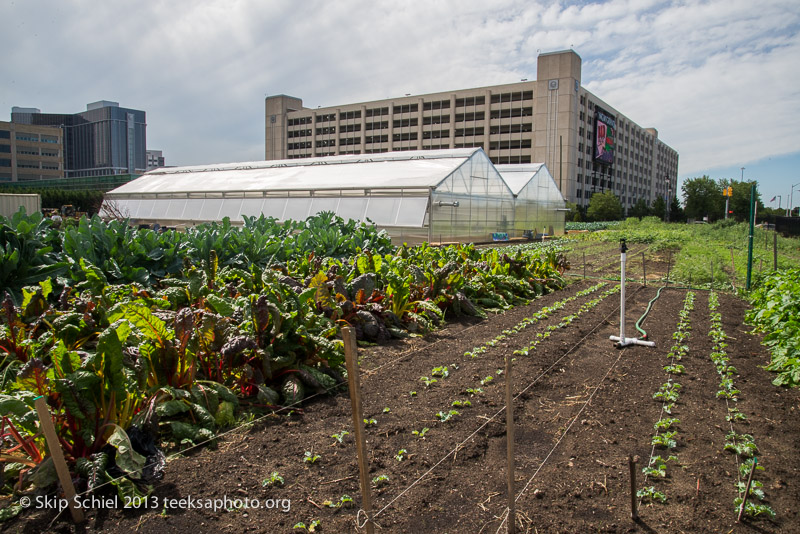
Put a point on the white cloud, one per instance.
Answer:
(717, 78)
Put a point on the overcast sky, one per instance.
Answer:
(719, 79)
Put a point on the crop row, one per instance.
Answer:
(743, 445)
(186, 353)
(668, 394)
(539, 315)
(775, 308)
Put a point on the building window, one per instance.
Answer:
(5, 134)
(27, 137)
(511, 128)
(405, 123)
(345, 115)
(471, 101)
(503, 145)
(405, 108)
(5, 162)
(406, 136)
(377, 112)
(440, 104)
(474, 116)
(6, 149)
(516, 112)
(436, 134)
(437, 119)
(462, 132)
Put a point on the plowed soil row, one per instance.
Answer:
(583, 407)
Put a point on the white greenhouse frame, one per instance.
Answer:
(431, 195)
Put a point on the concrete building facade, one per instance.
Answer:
(588, 145)
(29, 153)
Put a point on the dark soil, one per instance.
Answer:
(582, 408)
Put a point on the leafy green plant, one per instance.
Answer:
(665, 439)
(664, 424)
(420, 433)
(274, 479)
(474, 391)
(340, 436)
(441, 372)
(312, 527)
(650, 493)
(487, 380)
(310, 457)
(370, 422)
(461, 404)
(380, 480)
(399, 456)
(741, 444)
(428, 381)
(446, 416)
(753, 509)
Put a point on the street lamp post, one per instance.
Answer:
(791, 200)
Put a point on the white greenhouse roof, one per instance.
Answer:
(392, 170)
(518, 176)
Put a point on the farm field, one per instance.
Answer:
(582, 408)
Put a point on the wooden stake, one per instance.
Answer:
(747, 489)
(53, 445)
(775, 251)
(632, 464)
(733, 271)
(584, 265)
(644, 271)
(512, 516)
(354, 383)
(669, 264)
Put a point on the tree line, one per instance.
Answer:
(703, 199)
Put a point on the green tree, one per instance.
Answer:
(604, 207)
(659, 207)
(703, 198)
(740, 201)
(676, 213)
(640, 209)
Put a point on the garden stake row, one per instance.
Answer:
(743, 445)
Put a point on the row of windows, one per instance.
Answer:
(440, 119)
(299, 133)
(514, 143)
(6, 149)
(512, 97)
(350, 128)
(377, 112)
(377, 125)
(470, 101)
(511, 128)
(436, 134)
(299, 120)
(473, 116)
(440, 104)
(504, 160)
(507, 113)
(5, 134)
(405, 123)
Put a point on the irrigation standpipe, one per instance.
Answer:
(621, 340)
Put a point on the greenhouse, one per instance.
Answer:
(433, 195)
(539, 206)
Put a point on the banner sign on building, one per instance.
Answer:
(605, 130)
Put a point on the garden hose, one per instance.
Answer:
(646, 311)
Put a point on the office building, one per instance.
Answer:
(30, 153)
(103, 140)
(155, 159)
(588, 145)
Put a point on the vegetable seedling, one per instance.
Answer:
(380, 480)
(487, 380)
(444, 417)
(428, 381)
(310, 457)
(370, 422)
(652, 494)
(273, 480)
(461, 404)
(441, 372)
(340, 436)
(420, 433)
(399, 456)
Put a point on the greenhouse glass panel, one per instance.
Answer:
(231, 208)
(352, 208)
(297, 209)
(145, 208)
(412, 211)
(252, 206)
(320, 204)
(274, 207)
(383, 210)
(192, 210)
(210, 209)
(175, 209)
